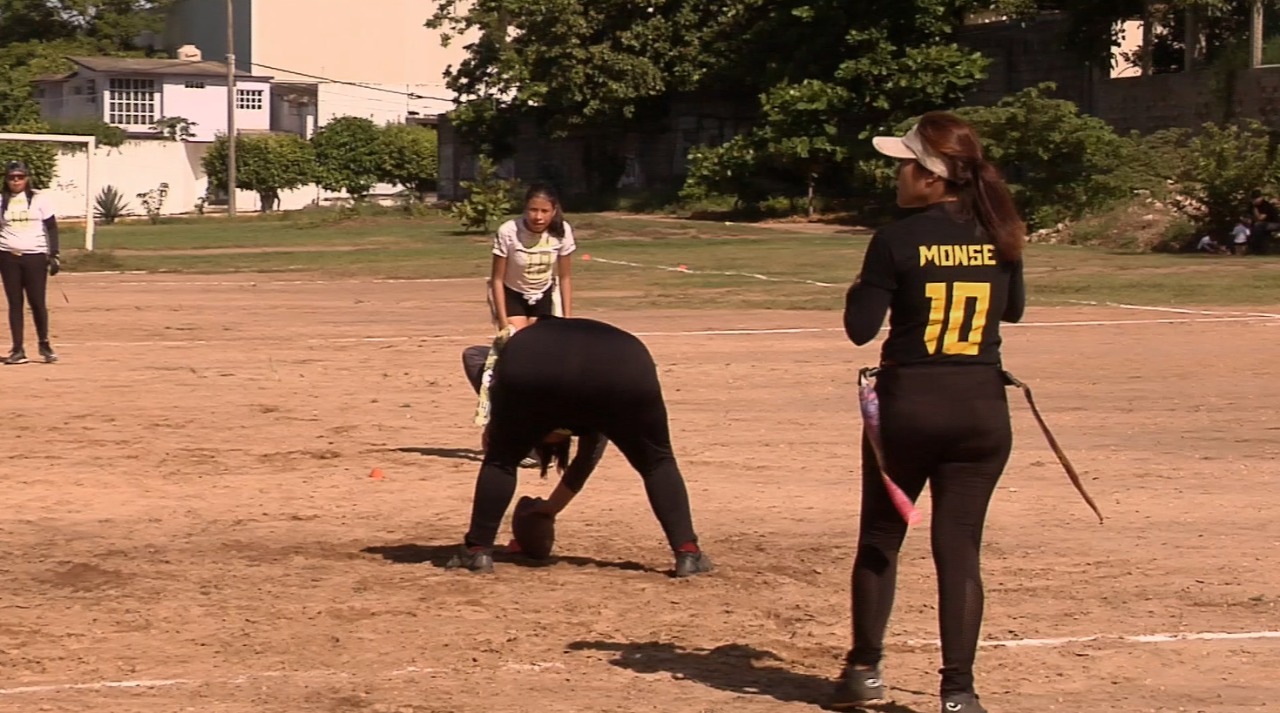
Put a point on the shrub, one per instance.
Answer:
(110, 205)
(1223, 165)
(490, 198)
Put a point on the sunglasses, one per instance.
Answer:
(17, 177)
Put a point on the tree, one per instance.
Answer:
(347, 155)
(608, 67)
(889, 61)
(801, 128)
(265, 163)
(37, 35)
(409, 157)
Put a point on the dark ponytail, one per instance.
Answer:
(991, 203)
(544, 190)
(977, 184)
(557, 452)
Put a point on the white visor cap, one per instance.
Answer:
(911, 148)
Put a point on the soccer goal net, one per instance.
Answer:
(61, 164)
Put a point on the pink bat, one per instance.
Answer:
(870, 404)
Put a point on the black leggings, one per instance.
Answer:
(947, 426)
(582, 375)
(29, 274)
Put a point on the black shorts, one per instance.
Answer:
(518, 306)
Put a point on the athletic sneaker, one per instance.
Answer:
(17, 356)
(477, 559)
(858, 687)
(46, 351)
(691, 563)
(961, 703)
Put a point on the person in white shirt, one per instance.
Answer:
(1240, 235)
(28, 256)
(532, 263)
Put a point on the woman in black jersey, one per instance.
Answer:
(593, 380)
(947, 276)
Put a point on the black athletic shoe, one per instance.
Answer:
(961, 703)
(17, 356)
(856, 688)
(477, 559)
(691, 563)
(46, 352)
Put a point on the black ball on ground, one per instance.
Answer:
(535, 532)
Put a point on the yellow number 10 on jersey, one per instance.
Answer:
(951, 305)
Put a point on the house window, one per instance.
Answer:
(195, 85)
(250, 99)
(132, 102)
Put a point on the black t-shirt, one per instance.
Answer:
(1267, 210)
(943, 286)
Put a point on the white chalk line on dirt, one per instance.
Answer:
(242, 678)
(536, 667)
(732, 273)
(1137, 639)
(480, 339)
(1176, 310)
(266, 282)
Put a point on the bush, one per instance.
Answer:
(266, 164)
(41, 158)
(490, 198)
(1060, 164)
(409, 157)
(348, 156)
(110, 205)
(1223, 165)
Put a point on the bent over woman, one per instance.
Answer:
(594, 380)
(947, 276)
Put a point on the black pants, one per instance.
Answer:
(582, 375)
(26, 274)
(947, 426)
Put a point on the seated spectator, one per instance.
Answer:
(1208, 245)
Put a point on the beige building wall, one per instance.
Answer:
(335, 44)
(377, 41)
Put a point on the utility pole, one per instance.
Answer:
(231, 113)
(1255, 34)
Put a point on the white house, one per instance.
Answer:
(329, 58)
(135, 93)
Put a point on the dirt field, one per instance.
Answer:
(190, 523)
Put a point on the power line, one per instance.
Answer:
(411, 95)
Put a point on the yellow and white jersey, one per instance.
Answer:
(531, 257)
(22, 225)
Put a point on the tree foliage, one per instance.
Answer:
(41, 158)
(37, 35)
(267, 164)
(409, 157)
(347, 155)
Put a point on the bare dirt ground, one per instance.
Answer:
(190, 524)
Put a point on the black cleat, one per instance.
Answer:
(856, 688)
(961, 703)
(17, 356)
(47, 353)
(479, 560)
(691, 563)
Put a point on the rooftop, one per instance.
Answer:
(147, 65)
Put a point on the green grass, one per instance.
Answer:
(388, 246)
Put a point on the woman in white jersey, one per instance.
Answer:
(531, 261)
(28, 256)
